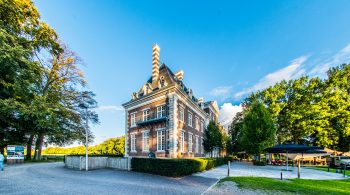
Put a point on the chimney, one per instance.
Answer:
(200, 100)
(179, 75)
(190, 93)
(155, 63)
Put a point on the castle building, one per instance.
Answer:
(165, 118)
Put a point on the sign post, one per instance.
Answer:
(228, 168)
(15, 154)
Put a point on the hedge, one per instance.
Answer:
(97, 155)
(175, 167)
(259, 163)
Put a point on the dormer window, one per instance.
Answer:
(162, 82)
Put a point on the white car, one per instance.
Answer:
(342, 160)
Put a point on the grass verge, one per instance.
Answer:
(333, 170)
(294, 186)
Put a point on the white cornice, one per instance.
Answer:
(161, 94)
(149, 98)
(189, 102)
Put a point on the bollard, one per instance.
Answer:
(329, 164)
(298, 169)
(344, 169)
(228, 168)
(281, 175)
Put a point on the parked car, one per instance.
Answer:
(340, 161)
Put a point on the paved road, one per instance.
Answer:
(53, 178)
(246, 169)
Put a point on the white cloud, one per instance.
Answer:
(111, 108)
(222, 91)
(342, 56)
(227, 112)
(292, 71)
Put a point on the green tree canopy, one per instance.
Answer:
(41, 85)
(311, 110)
(258, 129)
(213, 137)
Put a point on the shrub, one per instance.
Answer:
(175, 167)
(233, 158)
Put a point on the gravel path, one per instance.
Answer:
(53, 178)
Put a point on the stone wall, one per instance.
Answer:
(78, 162)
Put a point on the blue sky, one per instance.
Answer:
(227, 49)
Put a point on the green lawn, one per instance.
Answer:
(294, 186)
(322, 168)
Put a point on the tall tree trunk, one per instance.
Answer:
(2, 149)
(38, 146)
(29, 147)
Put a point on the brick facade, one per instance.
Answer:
(158, 118)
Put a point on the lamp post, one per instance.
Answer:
(86, 142)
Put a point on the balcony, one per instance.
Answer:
(152, 118)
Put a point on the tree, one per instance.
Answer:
(111, 146)
(258, 129)
(21, 34)
(235, 130)
(213, 138)
(337, 100)
(64, 109)
(311, 110)
(39, 97)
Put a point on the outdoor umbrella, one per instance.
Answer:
(292, 148)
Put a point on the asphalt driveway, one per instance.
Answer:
(53, 178)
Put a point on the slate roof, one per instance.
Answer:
(169, 75)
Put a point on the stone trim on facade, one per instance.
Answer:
(166, 90)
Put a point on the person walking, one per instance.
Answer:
(2, 158)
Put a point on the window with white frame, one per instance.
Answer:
(190, 119)
(133, 119)
(182, 114)
(197, 144)
(182, 141)
(133, 142)
(146, 115)
(161, 111)
(190, 142)
(145, 141)
(197, 123)
(160, 140)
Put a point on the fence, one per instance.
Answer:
(78, 162)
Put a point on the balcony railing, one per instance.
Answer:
(152, 118)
